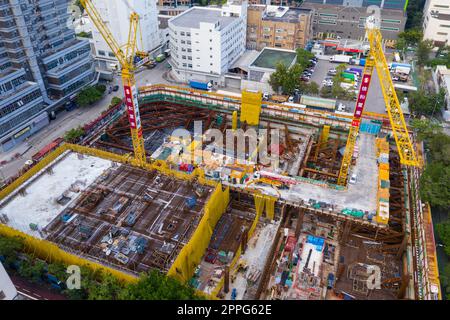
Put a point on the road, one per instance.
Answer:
(35, 291)
(67, 120)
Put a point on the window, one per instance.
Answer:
(111, 54)
(444, 25)
(101, 53)
(182, 33)
(389, 29)
(391, 21)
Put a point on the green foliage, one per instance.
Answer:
(435, 184)
(311, 88)
(423, 103)
(414, 12)
(115, 101)
(303, 57)
(443, 229)
(73, 134)
(423, 52)
(411, 37)
(10, 248)
(32, 269)
(83, 34)
(288, 79)
(108, 288)
(445, 281)
(90, 95)
(156, 286)
(425, 128)
(96, 285)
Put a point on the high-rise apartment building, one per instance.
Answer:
(116, 16)
(41, 63)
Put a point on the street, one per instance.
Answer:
(35, 291)
(67, 120)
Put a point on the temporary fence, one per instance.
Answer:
(191, 254)
(261, 201)
(50, 252)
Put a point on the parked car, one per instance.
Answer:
(115, 88)
(332, 72)
(353, 178)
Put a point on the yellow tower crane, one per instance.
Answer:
(125, 55)
(376, 59)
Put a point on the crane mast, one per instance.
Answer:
(376, 60)
(125, 55)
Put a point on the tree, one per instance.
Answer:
(109, 288)
(443, 229)
(423, 52)
(411, 37)
(10, 248)
(425, 128)
(90, 95)
(423, 103)
(74, 134)
(32, 269)
(439, 145)
(157, 286)
(115, 101)
(303, 57)
(286, 79)
(312, 88)
(414, 12)
(435, 184)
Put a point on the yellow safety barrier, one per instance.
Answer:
(50, 252)
(270, 208)
(260, 202)
(251, 107)
(234, 121)
(191, 254)
(30, 173)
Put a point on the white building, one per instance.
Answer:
(116, 15)
(441, 77)
(205, 42)
(436, 23)
(7, 289)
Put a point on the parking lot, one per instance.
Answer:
(375, 101)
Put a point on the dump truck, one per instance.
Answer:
(340, 58)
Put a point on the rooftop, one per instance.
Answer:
(285, 14)
(270, 57)
(192, 18)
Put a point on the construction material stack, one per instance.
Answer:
(383, 181)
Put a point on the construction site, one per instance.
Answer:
(334, 213)
(289, 232)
